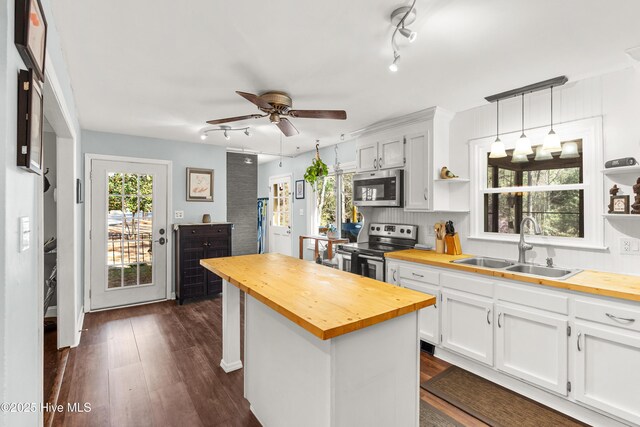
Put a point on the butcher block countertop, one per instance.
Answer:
(324, 301)
(588, 281)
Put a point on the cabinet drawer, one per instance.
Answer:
(542, 299)
(420, 274)
(466, 283)
(204, 230)
(611, 314)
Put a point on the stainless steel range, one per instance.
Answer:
(367, 259)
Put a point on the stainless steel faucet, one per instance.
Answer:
(523, 246)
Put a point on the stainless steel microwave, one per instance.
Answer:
(381, 188)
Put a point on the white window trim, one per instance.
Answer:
(590, 132)
(312, 227)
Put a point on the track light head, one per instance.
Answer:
(394, 65)
(203, 136)
(226, 135)
(411, 35)
(246, 132)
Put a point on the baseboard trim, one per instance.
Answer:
(230, 367)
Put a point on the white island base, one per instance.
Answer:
(369, 377)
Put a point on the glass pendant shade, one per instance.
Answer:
(552, 142)
(542, 154)
(569, 150)
(497, 150)
(519, 158)
(523, 146)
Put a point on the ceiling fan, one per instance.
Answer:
(276, 105)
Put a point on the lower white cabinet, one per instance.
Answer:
(467, 325)
(428, 317)
(607, 371)
(532, 345)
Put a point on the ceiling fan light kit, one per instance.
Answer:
(277, 106)
(400, 19)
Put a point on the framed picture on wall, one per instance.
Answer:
(300, 189)
(31, 35)
(30, 155)
(199, 185)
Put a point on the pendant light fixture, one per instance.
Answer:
(519, 158)
(523, 145)
(497, 146)
(570, 150)
(542, 154)
(552, 140)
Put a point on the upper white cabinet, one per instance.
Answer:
(374, 154)
(467, 325)
(532, 345)
(419, 143)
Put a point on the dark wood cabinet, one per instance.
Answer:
(193, 243)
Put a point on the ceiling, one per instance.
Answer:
(161, 68)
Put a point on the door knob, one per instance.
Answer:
(161, 231)
(161, 240)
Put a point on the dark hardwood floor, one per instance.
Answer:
(158, 365)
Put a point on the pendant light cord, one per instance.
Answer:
(552, 108)
(498, 119)
(523, 114)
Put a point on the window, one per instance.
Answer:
(332, 206)
(564, 195)
(549, 190)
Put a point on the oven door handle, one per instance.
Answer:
(371, 258)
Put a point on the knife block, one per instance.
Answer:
(452, 242)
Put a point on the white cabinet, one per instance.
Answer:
(428, 317)
(367, 157)
(532, 345)
(418, 173)
(391, 153)
(392, 273)
(372, 154)
(467, 325)
(607, 371)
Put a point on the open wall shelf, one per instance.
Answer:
(622, 170)
(621, 216)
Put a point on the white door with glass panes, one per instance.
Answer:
(280, 214)
(128, 233)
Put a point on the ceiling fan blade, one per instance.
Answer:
(287, 127)
(319, 114)
(235, 119)
(256, 100)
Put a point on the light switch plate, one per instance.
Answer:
(179, 215)
(301, 212)
(25, 233)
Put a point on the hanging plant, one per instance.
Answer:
(317, 171)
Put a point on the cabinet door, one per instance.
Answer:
(367, 156)
(467, 325)
(428, 317)
(532, 345)
(391, 153)
(607, 373)
(417, 181)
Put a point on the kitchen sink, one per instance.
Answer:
(485, 262)
(516, 267)
(538, 270)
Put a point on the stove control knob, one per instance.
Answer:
(377, 228)
(402, 230)
(408, 231)
(373, 228)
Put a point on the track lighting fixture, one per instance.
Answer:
(393, 67)
(400, 18)
(226, 132)
(411, 35)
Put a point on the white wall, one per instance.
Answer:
(20, 195)
(615, 97)
(297, 166)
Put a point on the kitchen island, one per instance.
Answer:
(322, 347)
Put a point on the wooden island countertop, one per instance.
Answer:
(324, 301)
(613, 285)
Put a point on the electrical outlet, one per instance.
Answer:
(625, 246)
(629, 246)
(179, 215)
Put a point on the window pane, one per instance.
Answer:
(351, 218)
(115, 183)
(327, 202)
(557, 212)
(146, 185)
(130, 184)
